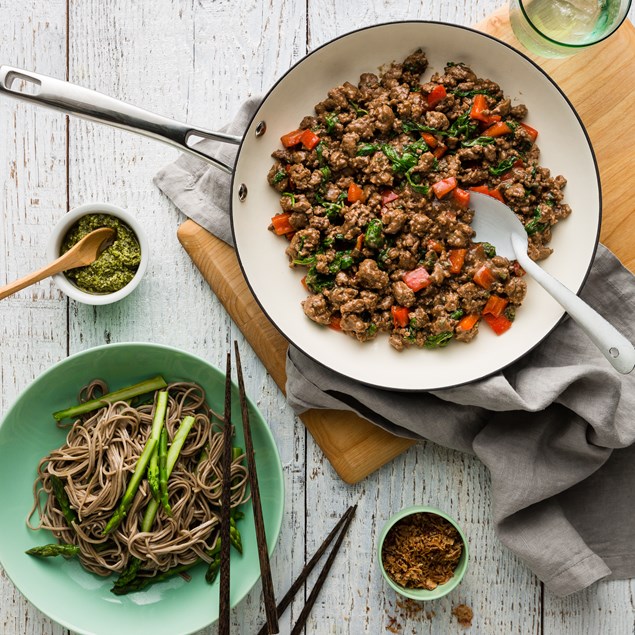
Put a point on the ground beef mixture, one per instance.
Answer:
(421, 551)
(375, 190)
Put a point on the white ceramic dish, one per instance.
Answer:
(55, 244)
(565, 149)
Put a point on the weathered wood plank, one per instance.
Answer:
(33, 174)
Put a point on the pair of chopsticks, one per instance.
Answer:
(261, 538)
(341, 527)
(272, 611)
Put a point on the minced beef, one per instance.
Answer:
(375, 200)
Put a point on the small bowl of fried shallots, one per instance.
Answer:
(423, 553)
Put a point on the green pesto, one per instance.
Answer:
(116, 265)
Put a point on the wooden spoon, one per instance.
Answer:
(81, 254)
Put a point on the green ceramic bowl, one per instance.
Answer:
(442, 589)
(77, 599)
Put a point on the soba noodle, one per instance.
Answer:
(98, 458)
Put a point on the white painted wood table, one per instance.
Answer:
(196, 60)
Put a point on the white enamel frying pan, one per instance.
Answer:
(565, 149)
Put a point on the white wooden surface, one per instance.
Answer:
(196, 60)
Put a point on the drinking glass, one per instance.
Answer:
(559, 28)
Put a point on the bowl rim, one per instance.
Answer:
(59, 232)
(442, 589)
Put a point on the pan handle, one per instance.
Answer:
(89, 104)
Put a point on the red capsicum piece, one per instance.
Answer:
(430, 139)
(532, 132)
(440, 150)
(335, 323)
(291, 138)
(309, 139)
(479, 106)
(484, 277)
(417, 279)
(468, 322)
(498, 324)
(436, 246)
(355, 193)
(400, 315)
(457, 259)
(495, 305)
(436, 95)
(387, 196)
(483, 189)
(444, 186)
(461, 197)
(498, 129)
(281, 224)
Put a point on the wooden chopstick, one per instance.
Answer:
(304, 614)
(308, 567)
(261, 538)
(224, 599)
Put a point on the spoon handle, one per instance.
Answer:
(48, 270)
(613, 345)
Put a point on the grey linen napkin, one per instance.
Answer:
(556, 429)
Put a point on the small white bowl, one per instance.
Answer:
(55, 245)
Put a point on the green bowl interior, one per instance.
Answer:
(424, 594)
(60, 588)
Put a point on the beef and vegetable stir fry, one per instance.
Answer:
(375, 190)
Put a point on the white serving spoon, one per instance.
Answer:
(496, 224)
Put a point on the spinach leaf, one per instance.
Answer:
(326, 173)
(438, 341)
(408, 159)
(365, 149)
(357, 109)
(331, 121)
(463, 125)
(534, 226)
(317, 282)
(479, 141)
(414, 180)
(489, 249)
(503, 166)
(342, 261)
(470, 93)
(332, 209)
(374, 236)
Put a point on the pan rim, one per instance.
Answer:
(584, 278)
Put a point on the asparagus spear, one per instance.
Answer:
(49, 551)
(163, 472)
(140, 583)
(133, 486)
(234, 536)
(123, 394)
(173, 455)
(129, 573)
(157, 426)
(128, 580)
(62, 500)
(214, 565)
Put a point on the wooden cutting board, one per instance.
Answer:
(600, 83)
